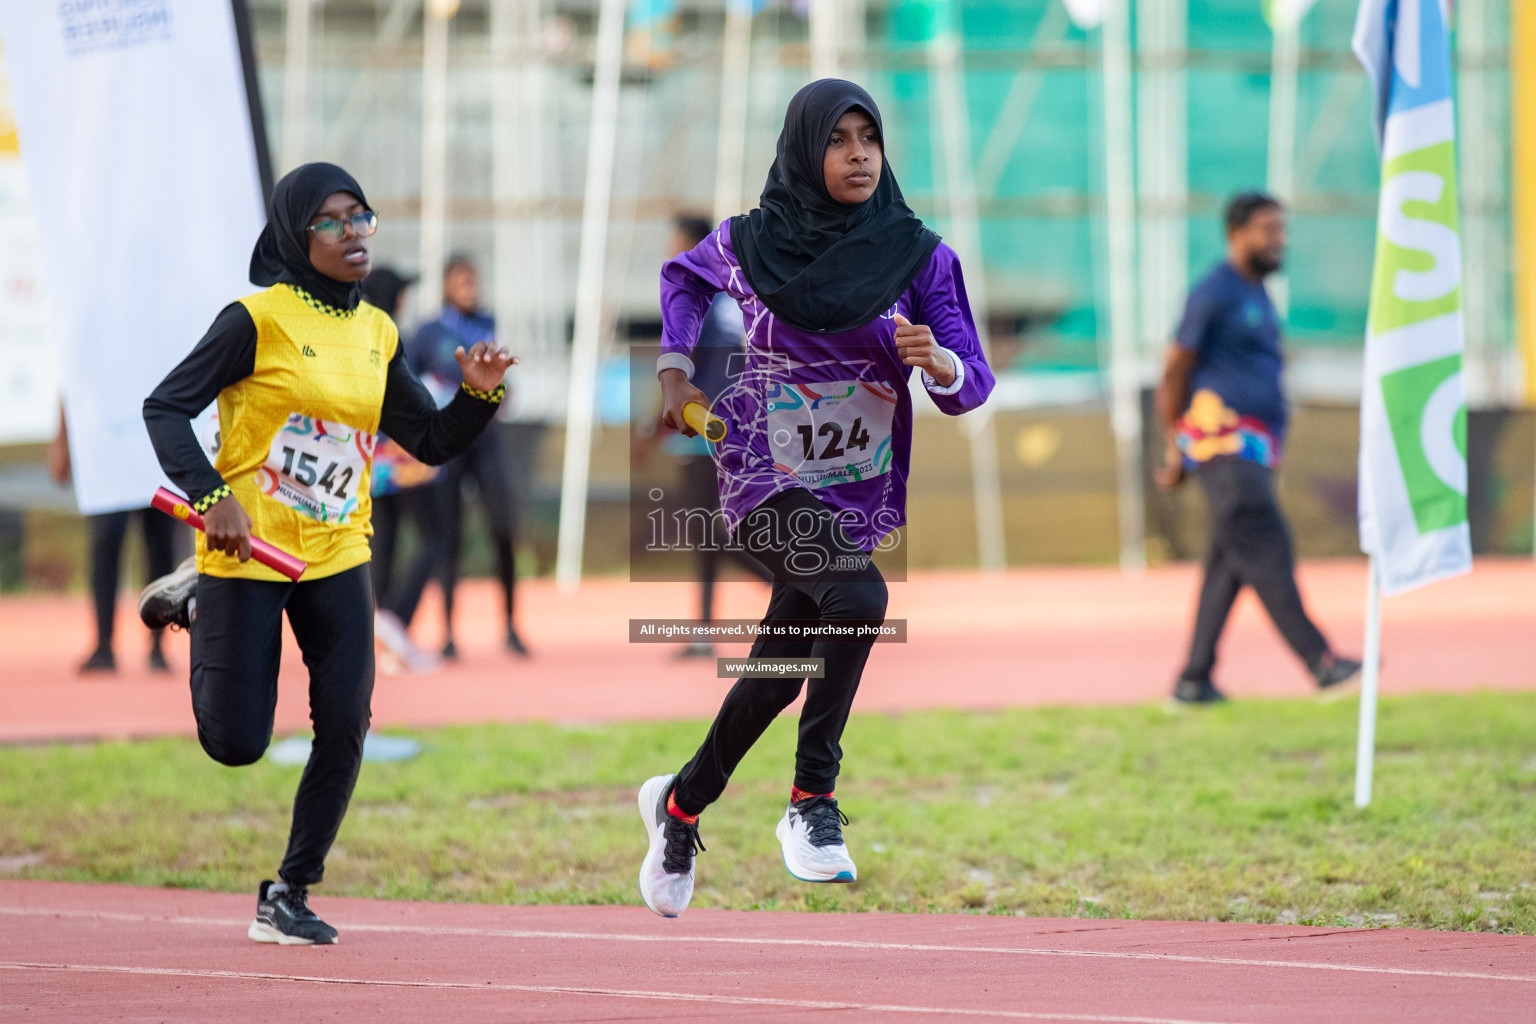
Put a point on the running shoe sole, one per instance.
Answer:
(266, 933)
(166, 593)
(802, 873)
(650, 796)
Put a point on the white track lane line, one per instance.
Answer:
(614, 993)
(851, 944)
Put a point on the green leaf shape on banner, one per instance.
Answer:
(1406, 393)
(1389, 309)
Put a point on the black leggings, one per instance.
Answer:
(425, 507)
(805, 592)
(485, 463)
(236, 645)
(107, 534)
(1250, 545)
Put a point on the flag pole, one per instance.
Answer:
(1370, 672)
(1120, 214)
(825, 42)
(1162, 168)
(951, 116)
(735, 71)
(1281, 172)
(1413, 511)
(296, 83)
(602, 135)
(434, 151)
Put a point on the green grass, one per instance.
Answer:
(1240, 813)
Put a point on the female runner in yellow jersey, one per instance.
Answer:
(305, 375)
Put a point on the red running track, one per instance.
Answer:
(1027, 637)
(107, 953)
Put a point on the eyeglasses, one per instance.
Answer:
(333, 229)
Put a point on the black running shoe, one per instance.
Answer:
(1197, 691)
(284, 917)
(1336, 677)
(168, 600)
(157, 662)
(450, 650)
(515, 643)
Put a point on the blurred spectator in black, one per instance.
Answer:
(717, 361)
(165, 541)
(402, 488)
(463, 323)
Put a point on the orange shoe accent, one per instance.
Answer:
(796, 794)
(672, 809)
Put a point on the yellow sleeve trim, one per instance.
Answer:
(494, 397)
(211, 499)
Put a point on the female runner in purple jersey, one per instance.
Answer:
(843, 291)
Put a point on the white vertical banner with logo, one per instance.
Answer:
(1413, 414)
(29, 379)
(135, 129)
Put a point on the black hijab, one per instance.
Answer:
(282, 249)
(819, 264)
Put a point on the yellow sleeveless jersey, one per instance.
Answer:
(296, 437)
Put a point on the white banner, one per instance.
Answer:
(135, 130)
(29, 379)
(1413, 413)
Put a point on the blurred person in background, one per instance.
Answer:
(403, 488)
(463, 323)
(164, 541)
(716, 361)
(1221, 401)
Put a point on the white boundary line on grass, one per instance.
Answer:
(615, 993)
(850, 944)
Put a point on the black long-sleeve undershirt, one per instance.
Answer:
(227, 355)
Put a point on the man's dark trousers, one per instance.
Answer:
(1250, 544)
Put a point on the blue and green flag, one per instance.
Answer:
(1413, 414)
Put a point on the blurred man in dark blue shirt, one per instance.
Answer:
(1223, 406)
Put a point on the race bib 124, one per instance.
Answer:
(831, 432)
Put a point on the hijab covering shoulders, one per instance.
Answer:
(282, 250)
(816, 263)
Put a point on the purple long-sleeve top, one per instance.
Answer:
(828, 412)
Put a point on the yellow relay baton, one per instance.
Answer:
(705, 422)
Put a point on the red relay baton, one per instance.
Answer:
(174, 505)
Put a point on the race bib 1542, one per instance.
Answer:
(831, 432)
(315, 467)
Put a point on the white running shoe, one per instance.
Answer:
(392, 635)
(666, 874)
(811, 835)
